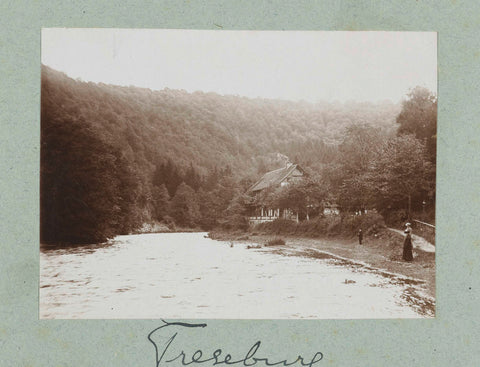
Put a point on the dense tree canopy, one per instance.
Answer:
(356, 154)
(113, 158)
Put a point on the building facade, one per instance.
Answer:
(272, 180)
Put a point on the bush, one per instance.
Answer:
(170, 223)
(242, 238)
(333, 225)
(396, 218)
(279, 226)
(369, 223)
(236, 222)
(275, 242)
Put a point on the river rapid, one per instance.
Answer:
(186, 275)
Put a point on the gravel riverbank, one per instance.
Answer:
(383, 253)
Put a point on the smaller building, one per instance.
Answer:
(330, 209)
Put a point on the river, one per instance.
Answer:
(185, 275)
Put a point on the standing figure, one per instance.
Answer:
(360, 236)
(407, 244)
(375, 230)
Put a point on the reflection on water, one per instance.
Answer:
(184, 275)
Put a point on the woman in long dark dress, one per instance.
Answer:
(407, 244)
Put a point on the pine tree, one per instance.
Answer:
(184, 207)
(192, 178)
(161, 202)
(173, 177)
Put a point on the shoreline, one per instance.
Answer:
(110, 241)
(382, 255)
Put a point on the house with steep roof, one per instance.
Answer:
(281, 177)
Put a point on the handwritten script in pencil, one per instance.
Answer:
(169, 352)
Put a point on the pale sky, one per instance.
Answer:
(292, 65)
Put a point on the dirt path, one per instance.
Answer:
(418, 242)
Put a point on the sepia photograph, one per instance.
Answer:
(196, 174)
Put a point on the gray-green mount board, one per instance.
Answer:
(451, 338)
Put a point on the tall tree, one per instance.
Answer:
(359, 147)
(209, 212)
(184, 207)
(173, 177)
(160, 202)
(159, 175)
(402, 170)
(192, 178)
(419, 117)
(235, 214)
(212, 179)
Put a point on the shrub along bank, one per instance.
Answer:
(338, 225)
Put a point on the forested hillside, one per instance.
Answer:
(115, 157)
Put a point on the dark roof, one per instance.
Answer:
(274, 178)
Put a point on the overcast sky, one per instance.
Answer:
(311, 66)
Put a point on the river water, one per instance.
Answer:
(185, 275)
